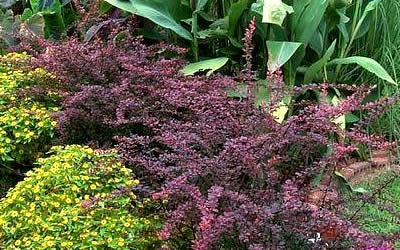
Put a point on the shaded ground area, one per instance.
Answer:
(6, 182)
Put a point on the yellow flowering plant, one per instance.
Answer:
(77, 198)
(26, 125)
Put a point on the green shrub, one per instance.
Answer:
(77, 199)
(26, 125)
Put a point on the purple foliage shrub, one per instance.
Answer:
(233, 176)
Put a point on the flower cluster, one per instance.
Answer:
(77, 198)
(26, 125)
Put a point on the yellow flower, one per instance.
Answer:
(68, 201)
(17, 242)
(64, 244)
(53, 123)
(87, 197)
(40, 124)
(126, 224)
(17, 135)
(14, 214)
(75, 218)
(93, 186)
(28, 243)
(103, 222)
(121, 242)
(56, 204)
(36, 189)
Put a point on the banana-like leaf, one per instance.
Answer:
(156, 12)
(210, 65)
(280, 53)
(367, 63)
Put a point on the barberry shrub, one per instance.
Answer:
(26, 124)
(76, 198)
(235, 176)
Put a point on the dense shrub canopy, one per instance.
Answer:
(234, 176)
(76, 198)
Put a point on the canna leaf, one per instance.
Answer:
(367, 63)
(280, 53)
(209, 65)
(154, 11)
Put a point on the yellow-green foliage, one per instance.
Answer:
(25, 125)
(70, 202)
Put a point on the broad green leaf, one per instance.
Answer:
(317, 178)
(6, 27)
(261, 96)
(371, 6)
(234, 13)
(46, 6)
(210, 65)
(344, 186)
(317, 43)
(338, 4)
(299, 7)
(351, 118)
(257, 7)
(201, 4)
(95, 28)
(54, 25)
(36, 24)
(309, 20)
(280, 53)
(317, 66)
(5, 4)
(105, 7)
(345, 34)
(26, 14)
(158, 13)
(275, 11)
(366, 63)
